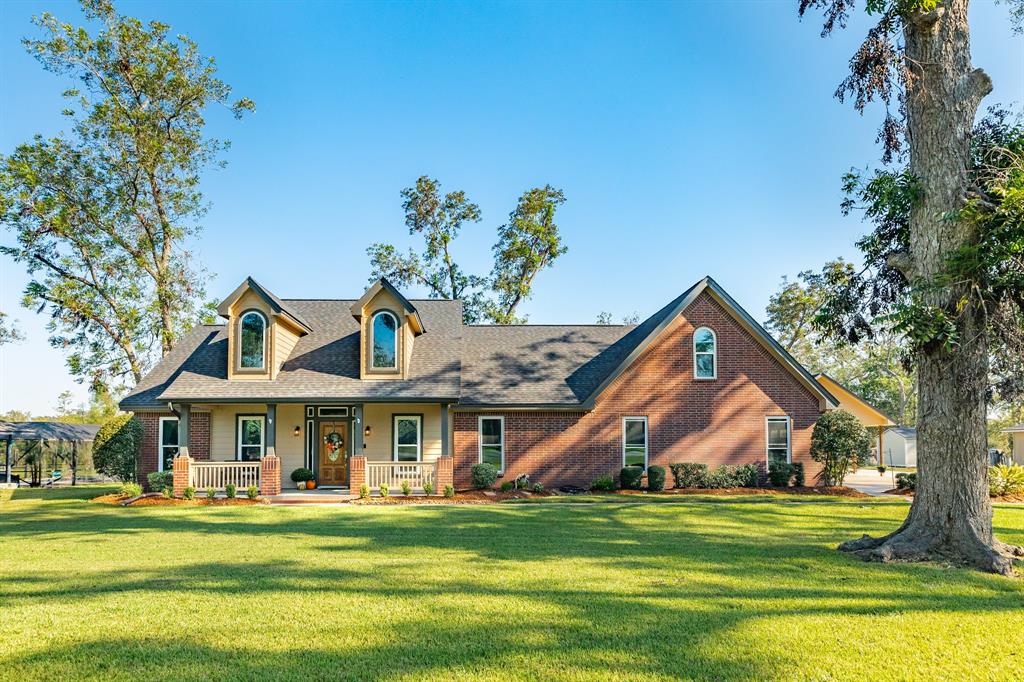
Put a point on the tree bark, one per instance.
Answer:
(951, 516)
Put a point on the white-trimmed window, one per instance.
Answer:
(384, 328)
(634, 441)
(408, 437)
(705, 354)
(250, 438)
(252, 340)
(777, 439)
(168, 442)
(491, 431)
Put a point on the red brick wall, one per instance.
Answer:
(716, 422)
(199, 439)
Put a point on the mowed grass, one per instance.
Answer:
(705, 589)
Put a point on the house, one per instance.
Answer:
(867, 414)
(382, 389)
(1017, 434)
(899, 446)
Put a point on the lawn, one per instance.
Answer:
(703, 588)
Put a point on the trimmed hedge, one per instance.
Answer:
(779, 474)
(905, 481)
(484, 475)
(116, 448)
(630, 477)
(603, 483)
(690, 474)
(655, 478)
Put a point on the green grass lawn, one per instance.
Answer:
(721, 589)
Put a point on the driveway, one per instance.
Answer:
(867, 480)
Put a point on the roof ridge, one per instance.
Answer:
(552, 324)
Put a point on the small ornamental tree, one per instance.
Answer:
(116, 448)
(839, 441)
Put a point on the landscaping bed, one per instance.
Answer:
(907, 492)
(158, 500)
(834, 491)
(461, 497)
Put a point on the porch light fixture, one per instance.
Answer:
(297, 431)
(366, 432)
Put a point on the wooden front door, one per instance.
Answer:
(333, 454)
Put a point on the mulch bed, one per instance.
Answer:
(833, 491)
(461, 497)
(158, 500)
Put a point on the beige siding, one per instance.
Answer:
(291, 449)
(384, 301)
(248, 301)
(379, 444)
(1018, 448)
(223, 428)
(284, 342)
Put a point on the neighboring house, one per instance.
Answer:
(868, 415)
(1017, 433)
(381, 388)
(899, 446)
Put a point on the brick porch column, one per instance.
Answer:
(356, 473)
(445, 474)
(182, 466)
(270, 476)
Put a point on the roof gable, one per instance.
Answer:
(277, 306)
(383, 284)
(846, 397)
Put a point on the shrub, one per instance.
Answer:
(798, 474)
(655, 478)
(1005, 480)
(603, 483)
(131, 489)
(231, 490)
(507, 486)
(211, 492)
(747, 475)
(428, 488)
(779, 473)
(406, 488)
(721, 477)
(302, 474)
(449, 491)
(881, 468)
(839, 441)
(538, 487)
(690, 474)
(364, 491)
(631, 477)
(906, 481)
(384, 490)
(484, 475)
(158, 480)
(189, 493)
(168, 492)
(252, 492)
(116, 447)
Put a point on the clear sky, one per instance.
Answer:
(690, 138)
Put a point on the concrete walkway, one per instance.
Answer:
(868, 480)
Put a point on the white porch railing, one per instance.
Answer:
(203, 475)
(393, 473)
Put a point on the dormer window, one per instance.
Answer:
(385, 340)
(252, 341)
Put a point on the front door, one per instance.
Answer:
(333, 454)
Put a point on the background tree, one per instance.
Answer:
(839, 442)
(438, 220)
(605, 318)
(116, 447)
(936, 274)
(9, 332)
(102, 214)
(878, 372)
(527, 244)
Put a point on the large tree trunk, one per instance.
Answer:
(951, 517)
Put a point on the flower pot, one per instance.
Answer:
(301, 485)
(310, 485)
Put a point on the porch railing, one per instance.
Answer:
(218, 475)
(393, 473)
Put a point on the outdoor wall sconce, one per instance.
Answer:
(366, 431)
(297, 431)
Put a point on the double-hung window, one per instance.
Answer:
(492, 441)
(168, 442)
(634, 441)
(778, 441)
(408, 437)
(251, 429)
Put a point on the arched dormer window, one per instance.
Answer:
(384, 341)
(252, 340)
(705, 354)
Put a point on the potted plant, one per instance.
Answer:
(302, 477)
(881, 470)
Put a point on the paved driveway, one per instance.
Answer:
(868, 481)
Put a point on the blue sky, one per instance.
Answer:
(690, 138)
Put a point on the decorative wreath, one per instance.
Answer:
(334, 443)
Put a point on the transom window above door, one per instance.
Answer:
(408, 436)
(250, 437)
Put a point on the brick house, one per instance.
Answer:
(384, 389)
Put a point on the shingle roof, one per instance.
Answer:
(323, 365)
